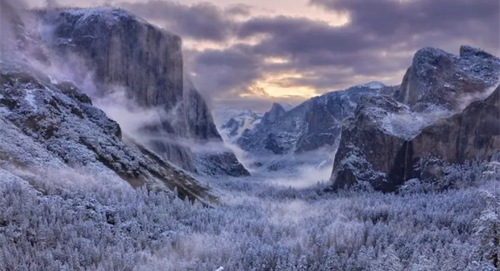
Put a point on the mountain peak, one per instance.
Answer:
(276, 106)
(440, 78)
(469, 51)
(277, 110)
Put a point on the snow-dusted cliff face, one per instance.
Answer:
(126, 53)
(283, 136)
(440, 79)
(391, 140)
(51, 129)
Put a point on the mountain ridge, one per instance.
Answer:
(311, 127)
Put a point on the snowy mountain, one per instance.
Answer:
(285, 139)
(273, 115)
(84, 184)
(59, 87)
(446, 111)
(48, 129)
(132, 58)
(232, 123)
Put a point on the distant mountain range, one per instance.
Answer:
(445, 111)
(57, 86)
(285, 138)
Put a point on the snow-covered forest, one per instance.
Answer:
(110, 158)
(77, 225)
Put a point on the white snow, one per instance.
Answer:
(246, 119)
(110, 15)
(248, 123)
(4, 110)
(374, 85)
(30, 98)
(53, 80)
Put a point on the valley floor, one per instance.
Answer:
(257, 226)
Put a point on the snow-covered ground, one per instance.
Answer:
(256, 226)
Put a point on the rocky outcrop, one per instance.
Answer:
(388, 142)
(146, 62)
(440, 79)
(123, 50)
(473, 134)
(274, 114)
(369, 148)
(54, 127)
(313, 125)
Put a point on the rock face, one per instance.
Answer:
(437, 78)
(54, 127)
(369, 148)
(131, 54)
(276, 112)
(474, 134)
(313, 125)
(391, 140)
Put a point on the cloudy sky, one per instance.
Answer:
(248, 53)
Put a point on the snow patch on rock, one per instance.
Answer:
(374, 85)
(30, 98)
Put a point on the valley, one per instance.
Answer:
(111, 158)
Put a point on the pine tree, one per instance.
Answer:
(488, 230)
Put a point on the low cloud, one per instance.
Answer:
(131, 117)
(307, 176)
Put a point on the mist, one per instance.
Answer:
(466, 100)
(303, 177)
(131, 117)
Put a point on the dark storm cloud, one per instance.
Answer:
(223, 72)
(394, 17)
(375, 26)
(475, 20)
(202, 21)
(287, 35)
(236, 56)
(238, 10)
(378, 41)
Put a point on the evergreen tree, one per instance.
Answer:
(488, 230)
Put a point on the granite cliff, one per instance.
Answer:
(125, 52)
(445, 112)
